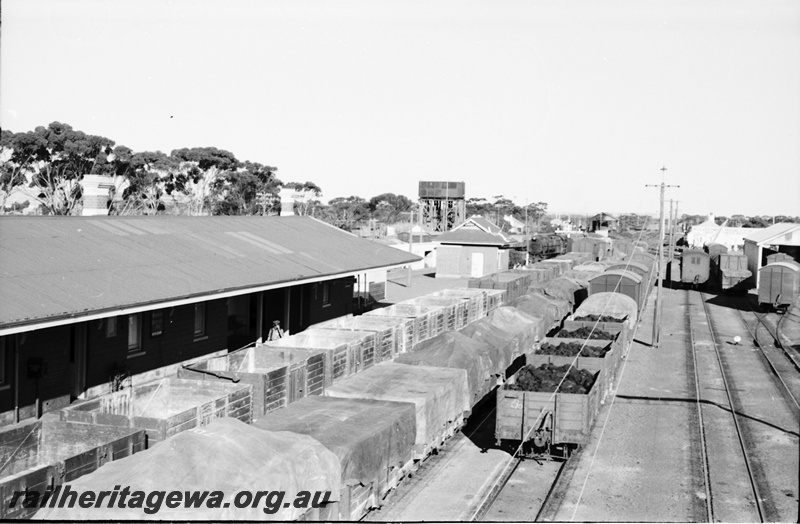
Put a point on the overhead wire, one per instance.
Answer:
(511, 459)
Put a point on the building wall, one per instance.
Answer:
(753, 253)
(455, 261)
(448, 261)
(57, 351)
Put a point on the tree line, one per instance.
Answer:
(46, 165)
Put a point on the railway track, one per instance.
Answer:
(745, 491)
(746, 406)
(782, 362)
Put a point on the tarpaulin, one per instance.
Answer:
(527, 328)
(553, 310)
(564, 288)
(441, 395)
(582, 276)
(452, 349)
(506, 342)
(228, 456)
(597, 267)
(369, 436)
(614, 305)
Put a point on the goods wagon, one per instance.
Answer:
(637, 267)
(555, 422)
(594, 354)
(599, 248)
(620, 281)
(577, 258)
(454, 310)
(348, 352)
(228, 457)
(647, 259)
(715, 249)
(422, 318)
(512, 283)
(695, 267)
(393, 334)
(37, 455)
(731, 273)
(374, 441)
(778, 284)
(483, 363)
(780, 257)
(475, 298)
(561, 265)
(546, 246)
(279, 376)
(441, 397)
(165, 408)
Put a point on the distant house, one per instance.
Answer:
(474, 248)
(603, 222)
(86, 299)
(783, 237)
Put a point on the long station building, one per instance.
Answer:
(85, 301)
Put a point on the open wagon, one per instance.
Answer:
(166, 407)
(546, 422)
(279, 376)
(39, 455)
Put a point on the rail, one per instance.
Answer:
(733, 410)
(703, 450)
(778, 345)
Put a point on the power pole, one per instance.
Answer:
(660, 277)
(410, 243)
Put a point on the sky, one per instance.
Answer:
(575, 103)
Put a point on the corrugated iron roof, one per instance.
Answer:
(54, 267)
(483, 223)
(475, 230)
(773, 232)
(472, 236)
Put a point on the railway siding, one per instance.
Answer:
(768, 418)
(646, 467)
(732, 498)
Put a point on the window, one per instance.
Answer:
(326, 293)
(111, 327)
(156, 323)
(134, 332)
(199, 320)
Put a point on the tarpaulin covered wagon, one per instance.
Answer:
(441, 397)
(232, 463)
(374, 441)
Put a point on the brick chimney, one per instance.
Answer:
(96, 190)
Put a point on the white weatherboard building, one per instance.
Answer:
(709, 232)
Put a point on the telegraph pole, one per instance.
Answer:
(660, 277)
(411, 243)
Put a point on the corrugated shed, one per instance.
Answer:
(780, 233)
(52, 267)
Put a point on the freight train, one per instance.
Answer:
(714, 269)
(369, 396)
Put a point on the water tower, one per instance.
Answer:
(442, 205)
